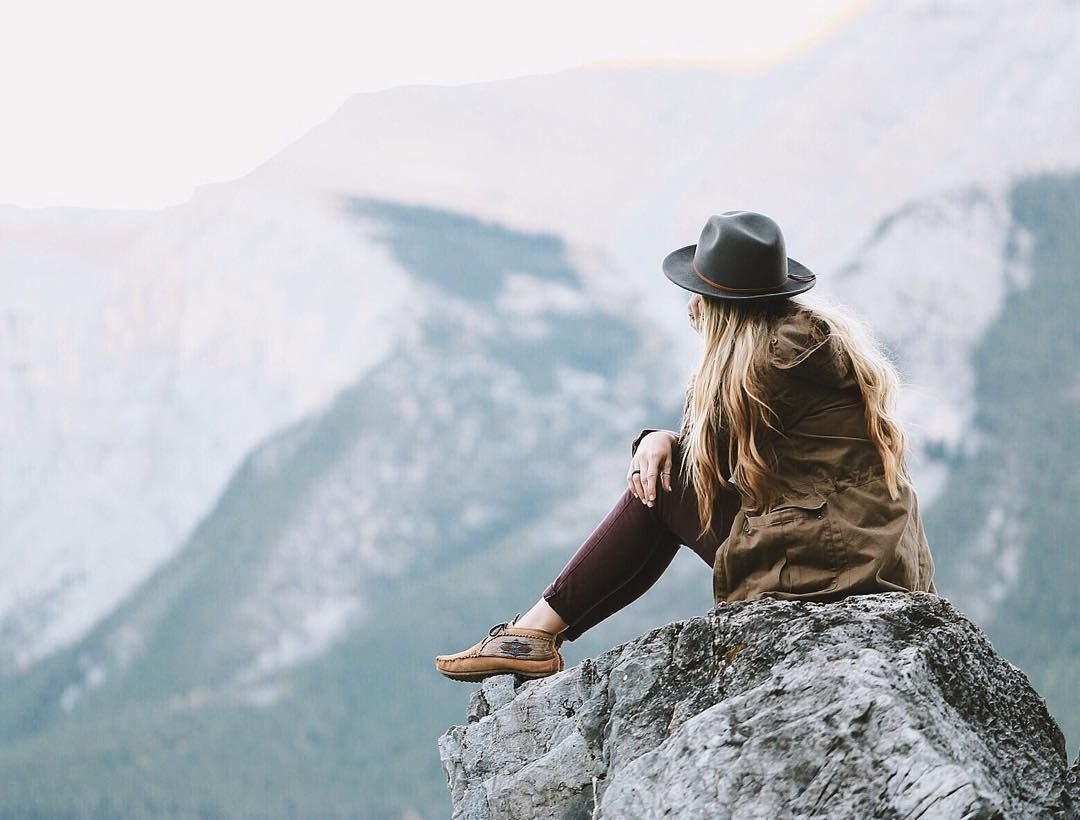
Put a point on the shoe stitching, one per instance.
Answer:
(479, 652)
(508, 631)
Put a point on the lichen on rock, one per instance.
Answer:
(889, 705)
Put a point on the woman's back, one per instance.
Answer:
(822, 438)
(835, 528)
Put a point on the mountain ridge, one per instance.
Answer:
(200, 338)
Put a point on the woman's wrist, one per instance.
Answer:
(648, 432)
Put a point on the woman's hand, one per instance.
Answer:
(651, 465)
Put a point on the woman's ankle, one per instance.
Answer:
(542, 616)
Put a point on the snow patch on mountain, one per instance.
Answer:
(930, 280)
(143, 358)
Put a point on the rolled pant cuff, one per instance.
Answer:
(553, 599)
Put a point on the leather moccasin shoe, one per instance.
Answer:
(507, 650)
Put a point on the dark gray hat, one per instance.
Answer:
(741, 255)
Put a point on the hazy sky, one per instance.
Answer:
(125, 104)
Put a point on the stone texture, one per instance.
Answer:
(891, 705)
(1073, 786)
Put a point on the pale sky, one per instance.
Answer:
(131, 103)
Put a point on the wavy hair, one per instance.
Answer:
(728, 404)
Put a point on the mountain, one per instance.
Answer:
(143, 356)
(1010, 494)
(268, 452)
(300, 605)
(145, 353)
(285, 676)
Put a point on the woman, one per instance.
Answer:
(787, 475)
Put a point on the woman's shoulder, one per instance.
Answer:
(795, 336)
(804, 343)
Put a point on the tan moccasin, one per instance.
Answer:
(507, 650)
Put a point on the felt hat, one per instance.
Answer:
(740, 255)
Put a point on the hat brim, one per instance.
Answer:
(677, 269)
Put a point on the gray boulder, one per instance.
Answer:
(891, 705)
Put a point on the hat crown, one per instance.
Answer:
(740, 255)
(744, 250)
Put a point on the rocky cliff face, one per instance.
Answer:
(890, 705)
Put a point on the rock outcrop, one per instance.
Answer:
(891, 705)
(1072, 780)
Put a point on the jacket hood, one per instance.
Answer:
(803, 345)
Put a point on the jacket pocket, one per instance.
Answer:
(787, 513)
(793, 547)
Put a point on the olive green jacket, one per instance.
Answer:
(836, 531)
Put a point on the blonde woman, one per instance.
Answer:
(787, 475)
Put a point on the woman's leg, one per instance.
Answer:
(629, 551)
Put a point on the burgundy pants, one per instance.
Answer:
(631, 548)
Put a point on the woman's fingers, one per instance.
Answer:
(632, 478)
(650, 470)
(638, 483)
(665, 473)
(650, 482)
(652, 478)
(649, 475)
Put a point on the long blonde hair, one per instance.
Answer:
(727, 400)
